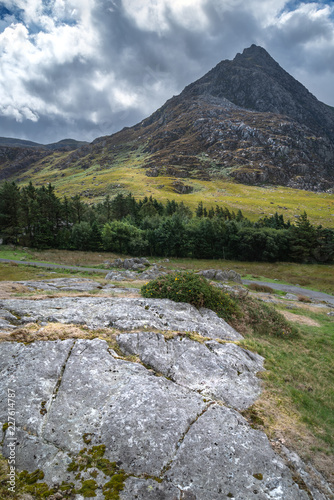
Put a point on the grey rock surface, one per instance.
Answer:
(20, 368)
(138, 416)
(169, 441)
(232, 454)
(223, 372)
(7, 320)
(148, 489)
(65, 284)
(5, 326)
(131, 274)
(309, 475)
(121, 275)
(122, 313)
(163, 414)
(219, 275)
(135, 263)
(291, 296)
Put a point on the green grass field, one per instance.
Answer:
(297, 404)
(318, 277)
(126, 173)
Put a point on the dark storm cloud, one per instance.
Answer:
(88, 68)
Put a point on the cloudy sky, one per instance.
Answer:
(86, 68)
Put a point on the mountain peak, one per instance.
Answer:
(254, 55)
(253, 80)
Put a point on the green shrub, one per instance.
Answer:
(194, 289)
(264, 320)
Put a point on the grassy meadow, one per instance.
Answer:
(296, 407)
(319, 277)
(93, 178)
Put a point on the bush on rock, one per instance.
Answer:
(246, 315)
(193, 289)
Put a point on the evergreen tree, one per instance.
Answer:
(78, 208)
(10, 199)
(199, 210)
(303, 239)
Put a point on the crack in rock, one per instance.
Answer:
(180, 441)
(221, 456)
(223, 372)
(171, 443)
(55, 391)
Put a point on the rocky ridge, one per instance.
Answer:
(154, 414)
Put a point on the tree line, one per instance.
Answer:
(36, 217)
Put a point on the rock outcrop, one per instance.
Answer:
(130, 274)
(219, 275)
(121, 313)
(136, 263)
(79, 394)
(152, 415)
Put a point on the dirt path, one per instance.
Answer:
(320, 296)
(56, 266)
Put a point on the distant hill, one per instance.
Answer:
(18, 155)
(68, 144)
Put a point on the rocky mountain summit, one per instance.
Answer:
(246, 118)
(132, 398)
(255, 81)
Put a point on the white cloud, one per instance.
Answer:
(153, 15)
(27, 57)
(305, 38)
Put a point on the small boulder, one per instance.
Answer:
(291, 296)
(117, 263)
(138, 267)
(144, 261)
(219, 275)
(209, 274)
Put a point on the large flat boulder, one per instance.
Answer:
(157, 420)
(122, 313)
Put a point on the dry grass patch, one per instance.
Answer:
(53, 331)
(21, 272)
(8, 289)
(303, 298)
(301, 320)
(274, 414)
(260, 288)
(73, 258)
